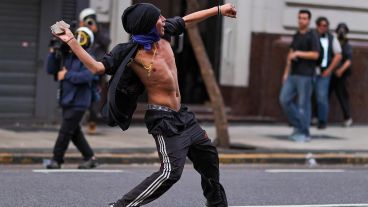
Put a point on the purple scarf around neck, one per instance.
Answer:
(147, 40)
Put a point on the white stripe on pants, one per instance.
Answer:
(161, 179)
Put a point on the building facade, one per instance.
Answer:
(25, 90)
(254, 49)
(248, 54)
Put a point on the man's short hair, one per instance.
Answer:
(306, 11)
(322, 19)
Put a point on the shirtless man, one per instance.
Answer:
(175, 130)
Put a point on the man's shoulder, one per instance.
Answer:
(295, 37)
(312, 33)
(330, 34)
(122, 48)
(300, 37)
(296, 34)
(312, 36)
(113, 59)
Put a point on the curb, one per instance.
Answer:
(298, 158)
(225, 158)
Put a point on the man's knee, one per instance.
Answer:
(66, 134)
(284, 101)
(67, 130)
(175, 174)
(324, 97)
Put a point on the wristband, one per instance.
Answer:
(219, 10)
(69, 40)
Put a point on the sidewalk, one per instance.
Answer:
(250, 144)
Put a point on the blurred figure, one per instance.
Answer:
(329, 58)
(75, 98)
(298, 78)
(88, 18)
(339, 81)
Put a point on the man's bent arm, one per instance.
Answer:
(335, 61)
(336, 48)
(85, 58)
(345, 66)
(287, 67)
(199, 16)
(311, 55)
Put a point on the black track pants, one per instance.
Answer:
(177, 136)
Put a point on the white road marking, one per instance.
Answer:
(305, 171)
(76, 171)
(322, 205)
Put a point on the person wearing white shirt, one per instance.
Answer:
(330, 57)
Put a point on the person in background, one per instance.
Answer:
(75, 98)
(88, 18)
(330, 57)
(339, 81)
(298, 78)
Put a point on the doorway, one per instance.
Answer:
(191, 84)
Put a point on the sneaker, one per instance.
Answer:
(348, 122)
(215, 205)
(89, 164)
(53, 165)
(300, 138)
(295, 131)
(111, 204)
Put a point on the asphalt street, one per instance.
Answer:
(246, 185)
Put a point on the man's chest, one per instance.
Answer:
(302, 42)
(324, 43)
(156, 66)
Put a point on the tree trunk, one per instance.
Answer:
(217, 102)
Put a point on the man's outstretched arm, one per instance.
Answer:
(227, 10)
(84, 57)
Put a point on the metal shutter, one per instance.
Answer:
(19, 23)
(69, 12)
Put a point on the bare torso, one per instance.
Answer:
(162, 84)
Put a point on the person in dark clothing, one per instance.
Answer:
(339, 81)
(75, 98)
(147, 62)
(298, 78)
(88, 18)
(330, 57)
